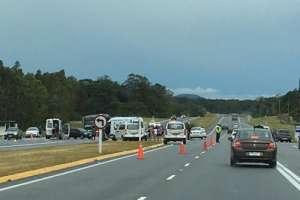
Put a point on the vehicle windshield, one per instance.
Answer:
(175, 126)
(283, 132)
(196, 129)
(32, 129)
(254, 134)
(133, 126)
(12, 129)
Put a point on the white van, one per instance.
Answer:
(175, 131)
(55, 129)
(127, 128)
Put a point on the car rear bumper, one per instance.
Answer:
(284, 139)
(243, 155)
(197, 136)
(174, 139)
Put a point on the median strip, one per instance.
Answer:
(54, 168)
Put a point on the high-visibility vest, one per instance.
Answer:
(218, 130)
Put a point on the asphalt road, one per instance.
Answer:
(164, 174)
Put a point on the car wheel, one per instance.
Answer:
(184, 141)
(165, 141)
(273, 164)
(232, 162)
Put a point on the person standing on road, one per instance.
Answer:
(218, 133)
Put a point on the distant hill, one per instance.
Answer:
(189, 96)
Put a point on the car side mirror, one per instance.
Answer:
(230, 139)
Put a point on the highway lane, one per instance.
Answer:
(165, 174)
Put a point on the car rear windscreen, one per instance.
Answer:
(175, 126)
(254, 134)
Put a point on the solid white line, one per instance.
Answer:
(74, 170)
(187, 164)
(171, 177)
(142, 198)
(289, 178)
(292, 174)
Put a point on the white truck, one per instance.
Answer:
(56, 129)
(175, 131)
(127, 128)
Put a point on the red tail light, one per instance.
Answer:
(237, 144)
(271, 146)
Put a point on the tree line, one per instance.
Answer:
(30, 98)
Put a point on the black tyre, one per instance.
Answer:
(232, 162)
(165, 141)
(273, 164)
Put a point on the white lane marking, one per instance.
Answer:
(181, 170)
(171, 177)
(142, 198)
(74, 170)
(187, 164)
(203, 152)
(297, 178)
(197, 157)
(289, 175)
(295, 146)
(24, 145)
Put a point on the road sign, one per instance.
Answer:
(100, 122)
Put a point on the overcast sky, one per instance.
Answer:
(214, 48)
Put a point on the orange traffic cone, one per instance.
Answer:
(182, 150)
(205, 146)
(214, 142)
(211, 141)
(141, 152)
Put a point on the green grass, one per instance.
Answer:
(205, 121)
(274, 123)
(15, 161)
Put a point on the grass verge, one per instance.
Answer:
(274, 123)
(205, 121)
(16, 161)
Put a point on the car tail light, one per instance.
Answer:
(237, 144)
(271, 146)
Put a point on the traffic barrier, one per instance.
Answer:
(182, 150)
(141, 152)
